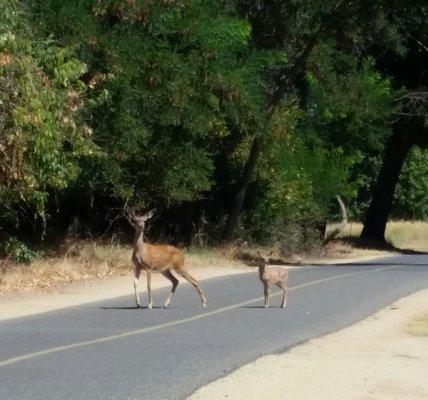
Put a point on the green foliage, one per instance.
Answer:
(41, 135)
(168, 80)
(18, 251)
(300, 180)
(158, 102)
(352, 102)
(411, 194)
(352, 107)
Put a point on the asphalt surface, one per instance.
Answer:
(111, 350)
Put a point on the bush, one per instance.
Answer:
(18, 251)
(301, 237)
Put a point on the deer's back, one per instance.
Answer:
(160, 257)
(274, 274)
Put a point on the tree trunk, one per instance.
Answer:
(250, 164)
(395, 154)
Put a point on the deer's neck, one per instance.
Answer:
(261, 270)
(139, 239)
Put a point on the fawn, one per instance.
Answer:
(272, 274)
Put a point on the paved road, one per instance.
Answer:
(110, 350)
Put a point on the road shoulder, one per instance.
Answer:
(373, 359)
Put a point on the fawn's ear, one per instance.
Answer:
(258, 253)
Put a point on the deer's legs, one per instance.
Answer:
(266, 288)
(137, 272)
(193, 281)
(284, 298)
(149, 289)
(167, 274)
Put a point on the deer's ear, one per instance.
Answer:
(129, 211)
(149, 214)
(258, 253)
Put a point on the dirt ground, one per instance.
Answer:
(383, 357)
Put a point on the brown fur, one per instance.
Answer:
(157, 257)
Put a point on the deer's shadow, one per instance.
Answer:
(131, 308)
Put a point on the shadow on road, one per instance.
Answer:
(270, 308)
(373, 264)
(128, 308)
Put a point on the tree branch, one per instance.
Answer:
(289, 75)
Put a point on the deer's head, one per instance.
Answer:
(262, 260)
(139, 220)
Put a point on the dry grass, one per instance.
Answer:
(80, 261)
(419, 326)
(225, 256)
(83, 260)
(410, 235)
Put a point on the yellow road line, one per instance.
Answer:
(28, 356)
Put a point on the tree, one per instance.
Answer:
(296, 28)
(409, 68)
(409, 130)
(42, 134)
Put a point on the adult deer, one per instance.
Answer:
(157, 258)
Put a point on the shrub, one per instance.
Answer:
(20, 252)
